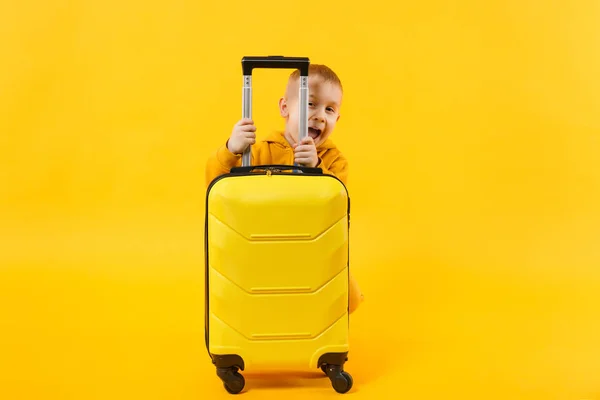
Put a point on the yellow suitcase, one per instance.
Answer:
(276, 263)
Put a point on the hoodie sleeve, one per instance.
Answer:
(337, 167)
(220, 162)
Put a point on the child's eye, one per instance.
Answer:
(330, 109)
(310, 104)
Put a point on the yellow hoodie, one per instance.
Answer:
(276, 150)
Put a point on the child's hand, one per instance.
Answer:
(305, 153)
(242, 136)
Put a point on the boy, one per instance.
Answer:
(316, 150)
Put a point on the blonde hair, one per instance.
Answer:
(320, 70)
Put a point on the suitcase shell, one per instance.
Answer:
(277, 270)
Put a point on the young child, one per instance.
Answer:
(316, 150)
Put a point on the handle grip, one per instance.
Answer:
(272, 62)
(276, 167)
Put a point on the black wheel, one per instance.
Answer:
(234, 383)
(343, 382)
(324, 368)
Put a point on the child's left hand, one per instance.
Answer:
(305, 153)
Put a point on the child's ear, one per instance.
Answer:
(283, 109)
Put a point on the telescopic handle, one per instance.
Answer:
(273, 62)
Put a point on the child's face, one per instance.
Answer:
(324, 102)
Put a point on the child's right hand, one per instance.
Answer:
(242, 136)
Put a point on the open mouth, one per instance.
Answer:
(314, 132)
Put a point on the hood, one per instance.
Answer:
(278, 138)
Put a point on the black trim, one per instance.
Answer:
(246, 173)
(338, 359)
(249, 63)
(277, 168)
(228, 361)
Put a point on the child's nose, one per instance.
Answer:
(319, 115)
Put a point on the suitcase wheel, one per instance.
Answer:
(233, 381)
(341, 381)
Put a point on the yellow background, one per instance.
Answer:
(475, 125)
